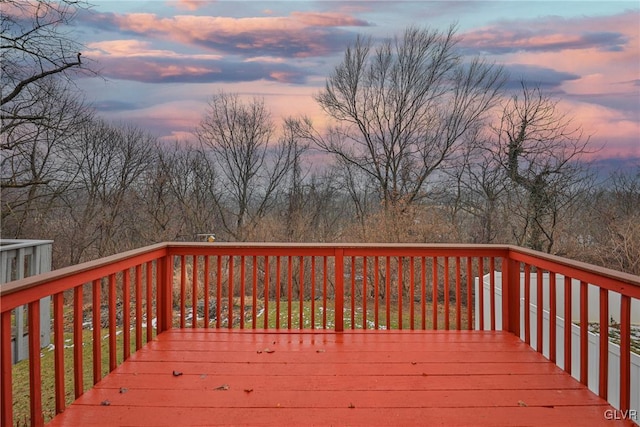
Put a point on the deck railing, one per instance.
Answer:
(128, 298)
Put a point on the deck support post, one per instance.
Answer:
(511, 295)
(339, 290)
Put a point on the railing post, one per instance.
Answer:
(511, 295)
(6, 390)
(339, 290)
(625, 353)
(35, 373)
(165, 293)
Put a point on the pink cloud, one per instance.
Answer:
(594, 56)
(136, 48)
(599, 58)
(283, 76)
(299, 34)
(177, 118)
(611, 134)
(150, 70)
(327, 19)
(188, 4)
(607, 33)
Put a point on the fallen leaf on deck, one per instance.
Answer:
(414, 363)
(248, 390)
(123, 390)
(105, 403)
(320, 350)
(177, 373)
(223, 387)
(351, 406)
(521, 403)
(266, 350)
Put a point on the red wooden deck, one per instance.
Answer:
(242, 377)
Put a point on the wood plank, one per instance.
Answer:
(303, 368)
(345, 382)
(580, 416)
(324, 347)
(329, 336)
(233, 397)
(332, 357)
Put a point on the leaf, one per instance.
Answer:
(177, 373)
(521, 403)
(105, 403)
(123, 390)
(248, 390)
(414, 363)
(223, 387)
(266, 350)
(320, 350)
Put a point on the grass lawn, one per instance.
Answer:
(21, 374)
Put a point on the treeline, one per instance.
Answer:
(99, 188)
(425, 145)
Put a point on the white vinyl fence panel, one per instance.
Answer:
(20, 259)
(593, 339)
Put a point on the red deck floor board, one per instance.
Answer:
(324, 378)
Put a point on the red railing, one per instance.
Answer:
(295, 286)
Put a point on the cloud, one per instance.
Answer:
(552, 34)
(111, 105)
(534, 75)
(590, 60)
(501, 41)
(328, 19)
(610, 133)
(136, 60)
(187, 4)
(160, 70)
(138, 48)
(296, 35)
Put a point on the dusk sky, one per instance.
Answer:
(162, 60)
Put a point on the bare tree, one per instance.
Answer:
(111, 161)
(34, 171)
(194, 189)
(240, 137)
(610, 236)
(39, 109)
(541, 149)
(479, 185)
(36, 43)
(401, 108)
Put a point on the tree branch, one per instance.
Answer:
(20, 86)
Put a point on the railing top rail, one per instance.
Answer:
(12, 244)
(67, 277)
(381, 245)
(88, 270)
(575, 269)
(350, 249)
